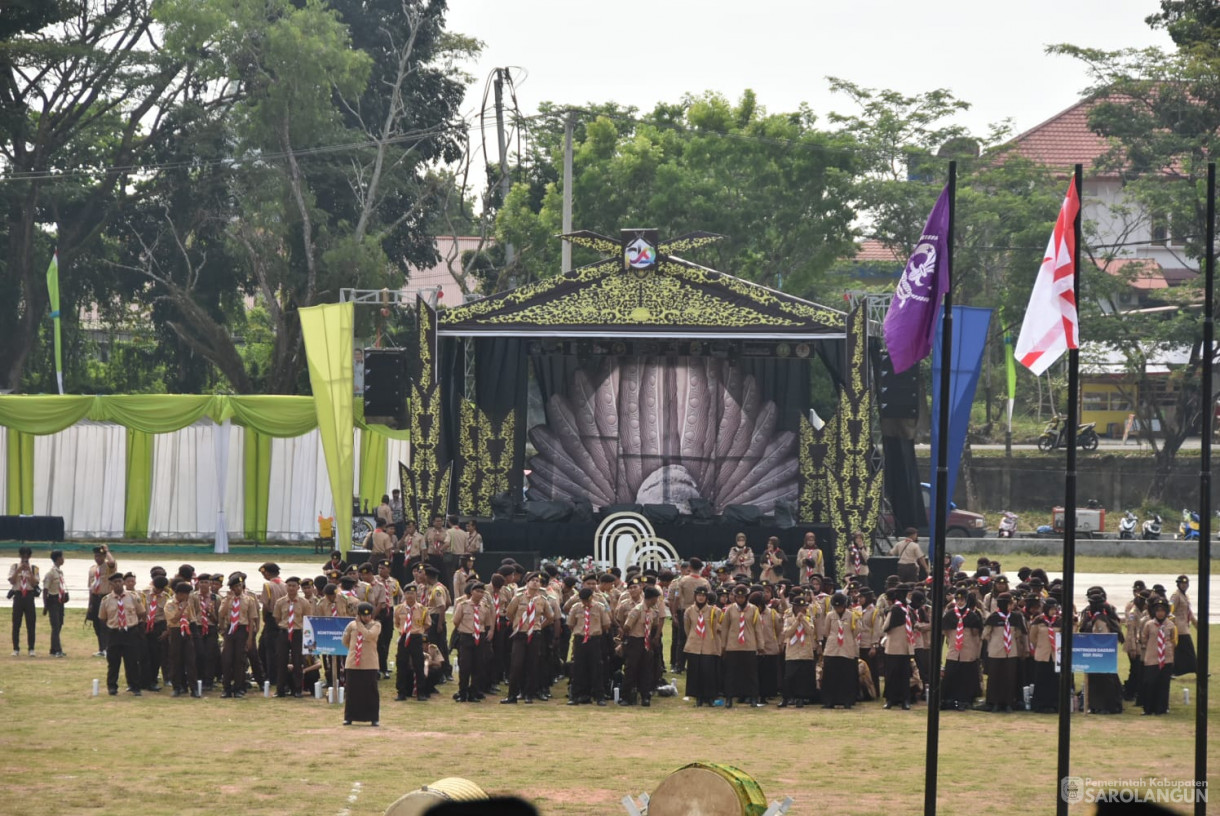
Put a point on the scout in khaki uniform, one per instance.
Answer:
(239, 620)
(54, 599)
(872, 619)
(121, 613)
(809, 559)
(208, 659)
(640, 642)
(840, 676)
(1044, 634)
(963, 628)
(384, 597)
(290, 612)
(410, 628)
(103, 566)
(589, 623)
(770, 661)
(900, 639)
(1134, 618)
(155, 653)
(1160, 636)
(1001, 633)
(800, 642)
(529, 613)
(740, 639)
(182, 632)
(1183, 618)
(741, 557)
(363, 703)
(684, 598)
(472, 623)
(24, 586)
(702, 648)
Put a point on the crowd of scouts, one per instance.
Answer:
(738, 636)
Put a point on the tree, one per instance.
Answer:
(1161, 112)
(84, 89)
(774, 184)
(317, 176)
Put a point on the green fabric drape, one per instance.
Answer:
(139, 483)
(154, 413)
(327, 331)
(256, 483)
(19, 472)
(273, 415)
(43, 414)
(372, 467)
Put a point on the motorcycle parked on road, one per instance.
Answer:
(1053, 435)
(1150, 530)
(1008, 525)
(1126, 525)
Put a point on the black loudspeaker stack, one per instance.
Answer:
(897, 394)
(385, 387)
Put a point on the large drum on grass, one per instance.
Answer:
(706, 789)
(449, 789)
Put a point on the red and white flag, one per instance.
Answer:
(1051, 326)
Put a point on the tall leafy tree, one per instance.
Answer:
(775, 184)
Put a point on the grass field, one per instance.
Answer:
(66, 752)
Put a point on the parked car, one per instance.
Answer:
(960, 523)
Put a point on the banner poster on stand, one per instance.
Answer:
(324, 636)
(1095, 653)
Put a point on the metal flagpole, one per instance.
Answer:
(1205, 498)
(936, 558)
(1069, 533)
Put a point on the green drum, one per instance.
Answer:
(449, 789)
(707, 789)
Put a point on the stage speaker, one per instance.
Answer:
(743, 514)
(661, 513)
(611, 509)
(701, 509)
(785, 514)
(385, 387)
(502, 506)
(582, 510)
(897, 394)
(560, 510)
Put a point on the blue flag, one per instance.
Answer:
(910, 323)
(969, 340)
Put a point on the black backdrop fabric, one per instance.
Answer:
(501, 385)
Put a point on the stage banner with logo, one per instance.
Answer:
(324, 636)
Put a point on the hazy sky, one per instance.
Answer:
(634, 52)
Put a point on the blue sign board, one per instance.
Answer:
(324, 636)
(1095, 653)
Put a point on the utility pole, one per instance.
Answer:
(505, 182)
(569, 125)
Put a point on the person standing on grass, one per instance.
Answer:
(589, 622)
(122, 614)
(1044, 636)
(208, 659)
(900, 640)
(472, 623)
(800, 642)
(840, 672)
(103, 566)
(410, 628)
(363, 702)
(740, 640)
(1003, 631)
(153, 657)
(639, 643)
(24, 586)
(1183, 618)
(268, 642)
(182, 634)
(911, 560)
(1105, 690)
(238, 613)
(530, 613)
(1160, 636)
(54, 599)
(290, 612)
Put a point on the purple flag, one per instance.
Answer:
(910, 324)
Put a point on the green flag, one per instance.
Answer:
(53, 291)
(1010, 363)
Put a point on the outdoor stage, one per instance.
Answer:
(642, 380)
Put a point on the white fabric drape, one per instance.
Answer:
(220, 445)
(299, 489)
(397, 450)
(80, 473)
(185, 483)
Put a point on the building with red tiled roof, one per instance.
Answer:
(1066, 139)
